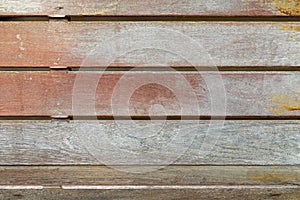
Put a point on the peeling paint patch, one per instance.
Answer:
(287, 7)
(285, 103)
(21, 47)
(18, 36)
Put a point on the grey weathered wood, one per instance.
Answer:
(137, 44)
(205, 194)
(57, 176)
(108, 142)
(148, 7)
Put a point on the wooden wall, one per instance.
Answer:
(128, 99)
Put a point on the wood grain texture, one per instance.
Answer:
(171, 175)
(144, 44)
(205, 194)
(216, 193)
(144, 94)
(172, 159)
(155, 8)
(107, 142)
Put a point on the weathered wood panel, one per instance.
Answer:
(205, 194)
(171, 175)
(154, 8)
(144, 94)
(181, 147)
(144, 44)
(108, 142)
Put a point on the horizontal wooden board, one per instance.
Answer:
(205, 194)
(58, 176)
(155, 94)
(148, 7)
(144, 44)
(93, 142)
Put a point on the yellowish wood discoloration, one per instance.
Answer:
(287, 7)
(291, 28)
(285, 103)
(108, 9)
(275, 177)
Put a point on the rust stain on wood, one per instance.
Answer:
(291, 28)
(285, 103)
(288, 7)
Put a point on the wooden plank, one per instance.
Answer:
(205, 194)
(121, 44)
(148, 7)
(57, 176)
(81, 142)
(144, 94)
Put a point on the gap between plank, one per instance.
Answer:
(175, 118)
(153, 69)
(183, 18)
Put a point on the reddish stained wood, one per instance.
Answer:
(157, 93)
(222, 44)
(148, 7)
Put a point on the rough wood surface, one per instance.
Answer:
(171, 175)
(107, 142)
(154, 8)
(205, 194)
(143, 94)
(136, 44)
(157, 159)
